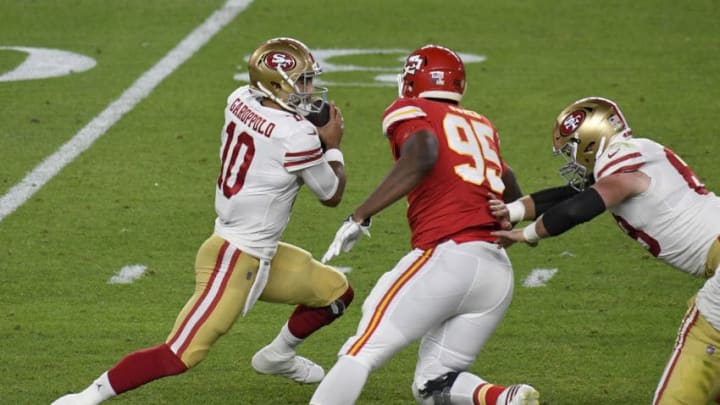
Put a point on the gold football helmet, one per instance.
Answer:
(282, 69)
(582, 132)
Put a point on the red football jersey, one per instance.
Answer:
(452, 201)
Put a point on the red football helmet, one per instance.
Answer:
(433, 71)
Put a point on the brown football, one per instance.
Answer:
(321, 117)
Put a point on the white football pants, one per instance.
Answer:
(452, 296)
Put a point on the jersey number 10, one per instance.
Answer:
(234, 164)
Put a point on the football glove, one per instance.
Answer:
(346, 236)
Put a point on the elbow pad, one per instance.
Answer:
(573, 211)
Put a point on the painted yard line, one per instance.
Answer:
(128, 274)
(539, 277)
(143, 86)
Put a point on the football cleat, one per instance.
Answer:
(519, 394)
(296, 368)
(73, 399)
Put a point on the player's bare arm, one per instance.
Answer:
(417, 158)
(512, 187)
(619, 187)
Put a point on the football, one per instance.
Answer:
(321, 117)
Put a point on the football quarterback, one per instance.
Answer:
(268, 149)
(649, 190)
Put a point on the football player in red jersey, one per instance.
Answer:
(269, 148)
(657, 200)
(455, 285)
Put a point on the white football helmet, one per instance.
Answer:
(282, 69)
(582, 132)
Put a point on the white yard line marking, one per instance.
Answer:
(128, 274)
(539, 277)
(143, 86)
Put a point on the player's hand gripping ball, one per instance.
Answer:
(320, 118)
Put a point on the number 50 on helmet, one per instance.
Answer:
(582, 132)
(282, 69)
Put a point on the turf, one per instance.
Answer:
(599, 332)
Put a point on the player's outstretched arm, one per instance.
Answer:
(417, 157)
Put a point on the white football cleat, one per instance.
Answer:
(519, 394)
(73, 399)
(296, 368)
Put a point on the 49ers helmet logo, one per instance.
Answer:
(279, 60)
(572, 122)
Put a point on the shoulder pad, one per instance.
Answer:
(620, 156)
(401, 110)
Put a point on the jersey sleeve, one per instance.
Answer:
(620, 157)
(401, 120)
(302, 148)
(400, 111)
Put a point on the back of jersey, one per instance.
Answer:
(452, 201)
(262, 150)
(676, 218)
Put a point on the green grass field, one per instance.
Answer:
(599, 333)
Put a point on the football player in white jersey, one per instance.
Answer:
(269, 148)
(657, 200)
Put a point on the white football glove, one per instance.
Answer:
(346, 236)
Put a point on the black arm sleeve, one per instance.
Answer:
(573, 211)
(545, 199)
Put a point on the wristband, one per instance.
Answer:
(516, 211)
(334, 155)
(530, 234)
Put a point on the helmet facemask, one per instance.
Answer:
(575, 174)
(302, 101)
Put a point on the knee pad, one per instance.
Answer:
(436, 391)
(337, 307)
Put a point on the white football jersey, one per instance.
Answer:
(676, 218)
(261, 153)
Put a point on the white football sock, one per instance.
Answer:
(99, 390)
(463, 389)
(285, 342)
(347, 373)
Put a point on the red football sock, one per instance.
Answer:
(306, 320)
(143, 366)
(491, 395)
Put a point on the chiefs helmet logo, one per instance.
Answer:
(572, 122)
(279, 60)
(413, 64)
